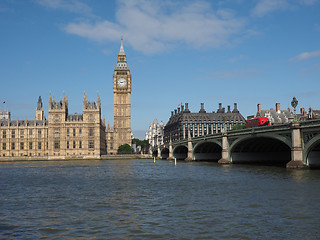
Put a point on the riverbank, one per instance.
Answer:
(68, 158)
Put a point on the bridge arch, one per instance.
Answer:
(155, 153)
(261, 150)
(312, 152)
(164, 153)
(207, 151)
(180, 152)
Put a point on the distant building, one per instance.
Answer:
(60, 136)
(313, 114)
(202, 123)
(155, 133)
(278, 115)
(4, 115)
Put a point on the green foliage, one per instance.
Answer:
(238, 127)
(125, 148)
(143, 143)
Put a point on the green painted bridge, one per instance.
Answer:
(295, 145)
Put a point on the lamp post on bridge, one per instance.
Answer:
(294, 104)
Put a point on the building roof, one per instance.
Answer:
(203, 116)
(277, 116)
(24, 123)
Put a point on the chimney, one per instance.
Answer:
(259, 107)
(278, 107)
(171, 113)
(202, 108)
(175, 111)
(220, 108)
(182, 108)
(235, 108)
(178, 110)
(229, 111)
(303, 112)
(186, 106)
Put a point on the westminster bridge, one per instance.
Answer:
(295, 145)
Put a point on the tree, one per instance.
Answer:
(238, 127)
(125, 148)
(144, 144)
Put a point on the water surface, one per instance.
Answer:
(139, 199)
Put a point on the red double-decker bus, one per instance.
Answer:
(259, 121)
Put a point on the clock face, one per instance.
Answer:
(122, 82)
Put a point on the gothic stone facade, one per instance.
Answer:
(64, 135)
(155, 133)
(61, 136)
(120, 133)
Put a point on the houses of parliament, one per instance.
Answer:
(65, 135)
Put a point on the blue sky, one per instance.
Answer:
(244, 51)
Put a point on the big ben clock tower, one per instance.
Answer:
(122, 100)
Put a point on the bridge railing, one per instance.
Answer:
(310, 123)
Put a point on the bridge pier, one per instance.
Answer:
(296, 148)
(170, 151)
(225, 157)
(189, 157)
(159, 153)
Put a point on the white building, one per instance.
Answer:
(155, 133)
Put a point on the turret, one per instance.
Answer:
(39, 110)
(98, 101)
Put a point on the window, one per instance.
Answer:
(21, 145)
(74, 144)
(30, 145)
(80, 144)
(80, 132)
(13, 146)
(90, 117)
(39, 133)
(4, 134)
(30, 133)
(91, 144)
(56, 144)
(21, 133)
(68, 132)
(4, 146)
(57, 132)
(39, 145)
(91, 132)
(74, 132)
(13, 134)
(56, 118)
(67, 144)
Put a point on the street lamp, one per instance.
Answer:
(294, 104)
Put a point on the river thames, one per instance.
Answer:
(140, 199)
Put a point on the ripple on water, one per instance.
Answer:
(142, 200)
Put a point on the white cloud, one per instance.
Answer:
(263, 7)
(239, 58)
(154, 26)
(305, 55)
(312, 71)
(69, 5)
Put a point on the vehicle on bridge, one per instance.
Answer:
(259, 121)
